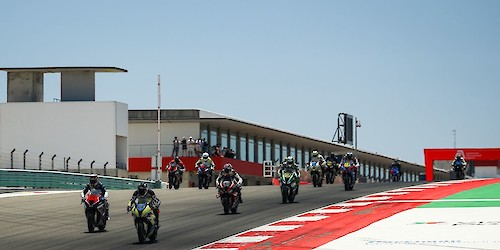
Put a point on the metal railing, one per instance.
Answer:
(26, 159)
(63, 180)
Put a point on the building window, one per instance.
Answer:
(213, 138)
(299, 158)
(232, 143)
(276, 152)
(204, 133)
(223, 137)
(268, 151)
(251, 150)
(243, 148)
(284, 150)
(260, 151)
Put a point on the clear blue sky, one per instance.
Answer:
(411, 71)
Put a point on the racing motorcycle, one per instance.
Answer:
(95, 210)
(316, 173)
(459, 170)
(144, 218)
(174, 177)
(330, 172)
(228, 196)
(288, 184)
(204, 175)
(394, 172)
(348, 175)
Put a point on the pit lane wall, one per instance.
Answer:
(251, 172)
(64, 180)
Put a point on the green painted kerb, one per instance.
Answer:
(470, 198)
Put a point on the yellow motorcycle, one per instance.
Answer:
(144, 218)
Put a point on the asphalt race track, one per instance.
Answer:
(189, 217)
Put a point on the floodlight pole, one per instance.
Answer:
(454, 138)
(158, 150)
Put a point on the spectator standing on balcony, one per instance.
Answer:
(197, 148)
(191, 145)
(184, 146)
(175, 150)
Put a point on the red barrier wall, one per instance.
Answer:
(143, 164)
(475, 154)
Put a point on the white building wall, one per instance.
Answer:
(79, 130)
(143, 137)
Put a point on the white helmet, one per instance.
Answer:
(205, 155)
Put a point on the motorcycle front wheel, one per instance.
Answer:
(284, 195)
(225, 204)
(90, 221)
(141, 232)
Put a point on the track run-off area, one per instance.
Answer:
(372, 216)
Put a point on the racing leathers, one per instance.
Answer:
(231, 176)
(102, 191)
(295, 168)
(209, 166)
(154, 202)
(319, 159)
(173, 168)
(353, 162)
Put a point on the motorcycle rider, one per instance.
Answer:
(175, 165)
(396, 165)
(144, 191)
(228, 173)
(290, 163)
(331, 163)
(317, 157)
(349, 158)
(461, 160)
(94, 183)
(205, 160)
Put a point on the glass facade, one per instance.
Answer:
(243, 148)
(251, 148)
(251, 151)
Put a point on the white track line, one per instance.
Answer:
(244, 239)
(19, 194)
(275, 228)
(330, 211)
(305, 218)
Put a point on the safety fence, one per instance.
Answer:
(63, 180)
(15, 158)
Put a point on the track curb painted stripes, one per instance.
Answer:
(317, 227)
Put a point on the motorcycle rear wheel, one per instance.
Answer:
(103, 226)
(153, 235)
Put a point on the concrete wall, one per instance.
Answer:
(79, 130)
(25, 87)
(143, 137)
(486, 172)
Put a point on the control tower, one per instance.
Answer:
(75, 133)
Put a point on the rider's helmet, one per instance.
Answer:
(93, 179)
(315, 153)
(459, 156)
(332, 156)
(290, 160)
(177, 160)
(396, 161)
(142, 188)
(205, 155)
(227, 168)
(349, 156)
